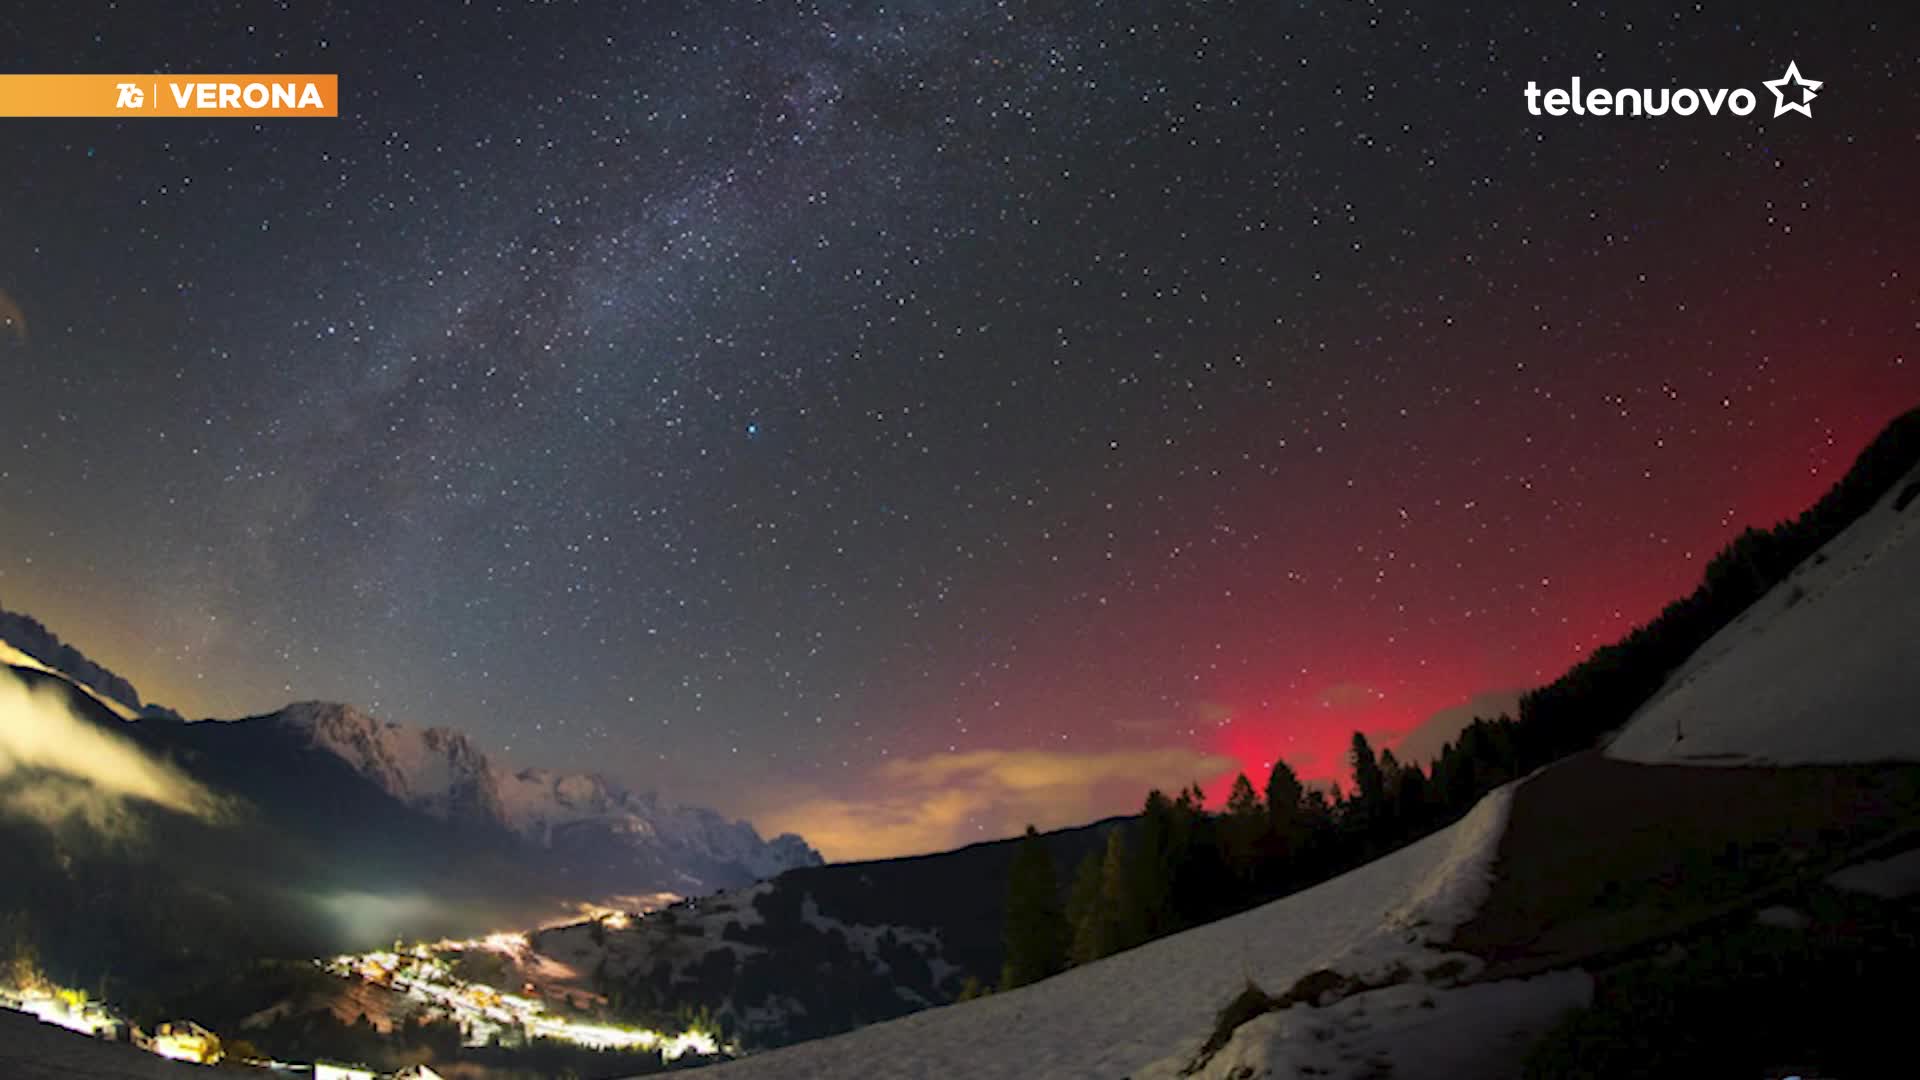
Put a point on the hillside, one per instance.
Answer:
(1570, 913)
(31, 637)
(1755, 777)
(1820, 669)
(1154, 1005)
(291, 846)
(814, 952)
(31, 1050)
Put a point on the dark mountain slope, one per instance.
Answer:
(29, 635)
(818, 950)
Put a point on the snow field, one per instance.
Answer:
(1156, 1005)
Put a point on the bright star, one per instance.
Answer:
(1781, 105)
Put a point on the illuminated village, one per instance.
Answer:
(486, 1014)
(423, 974)
(75, 1011)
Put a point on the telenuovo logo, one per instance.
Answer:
(1791, 93)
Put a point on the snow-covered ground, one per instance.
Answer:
(1825, 668)
(1407, 1032)
(1889, 879)
(1151, 1008)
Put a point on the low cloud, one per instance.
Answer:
(57, 766)
(1423, 743)
(942, 801)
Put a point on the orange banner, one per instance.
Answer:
(232, 96)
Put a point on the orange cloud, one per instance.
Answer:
(913, 805)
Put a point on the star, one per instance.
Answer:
(1781, 105)
(1041, 455)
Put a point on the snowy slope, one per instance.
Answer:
(1157, 1003)
(1825, 668)
(1407, 1032)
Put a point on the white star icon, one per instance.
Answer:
(1781, 106)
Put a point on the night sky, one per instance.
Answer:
(900, 423)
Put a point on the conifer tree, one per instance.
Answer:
(1121, 922)
(1389, 772)
(1245, 823)
(1036, 927)
(1368, 781)
(1386, 815)
(1413, 796)
(1369, 784)
(1242, 800)
(1156, 853)
(1087, 917)
(1284, 810)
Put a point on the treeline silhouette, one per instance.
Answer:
(1179, 865)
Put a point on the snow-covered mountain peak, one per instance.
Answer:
(441, 772)
(437, 770)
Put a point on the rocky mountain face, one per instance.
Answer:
(587, 816)
(339, 830)
(29, 635)
(604, 831)
(435, 770)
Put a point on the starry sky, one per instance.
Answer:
(902, 422)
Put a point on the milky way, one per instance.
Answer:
(756, 400)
